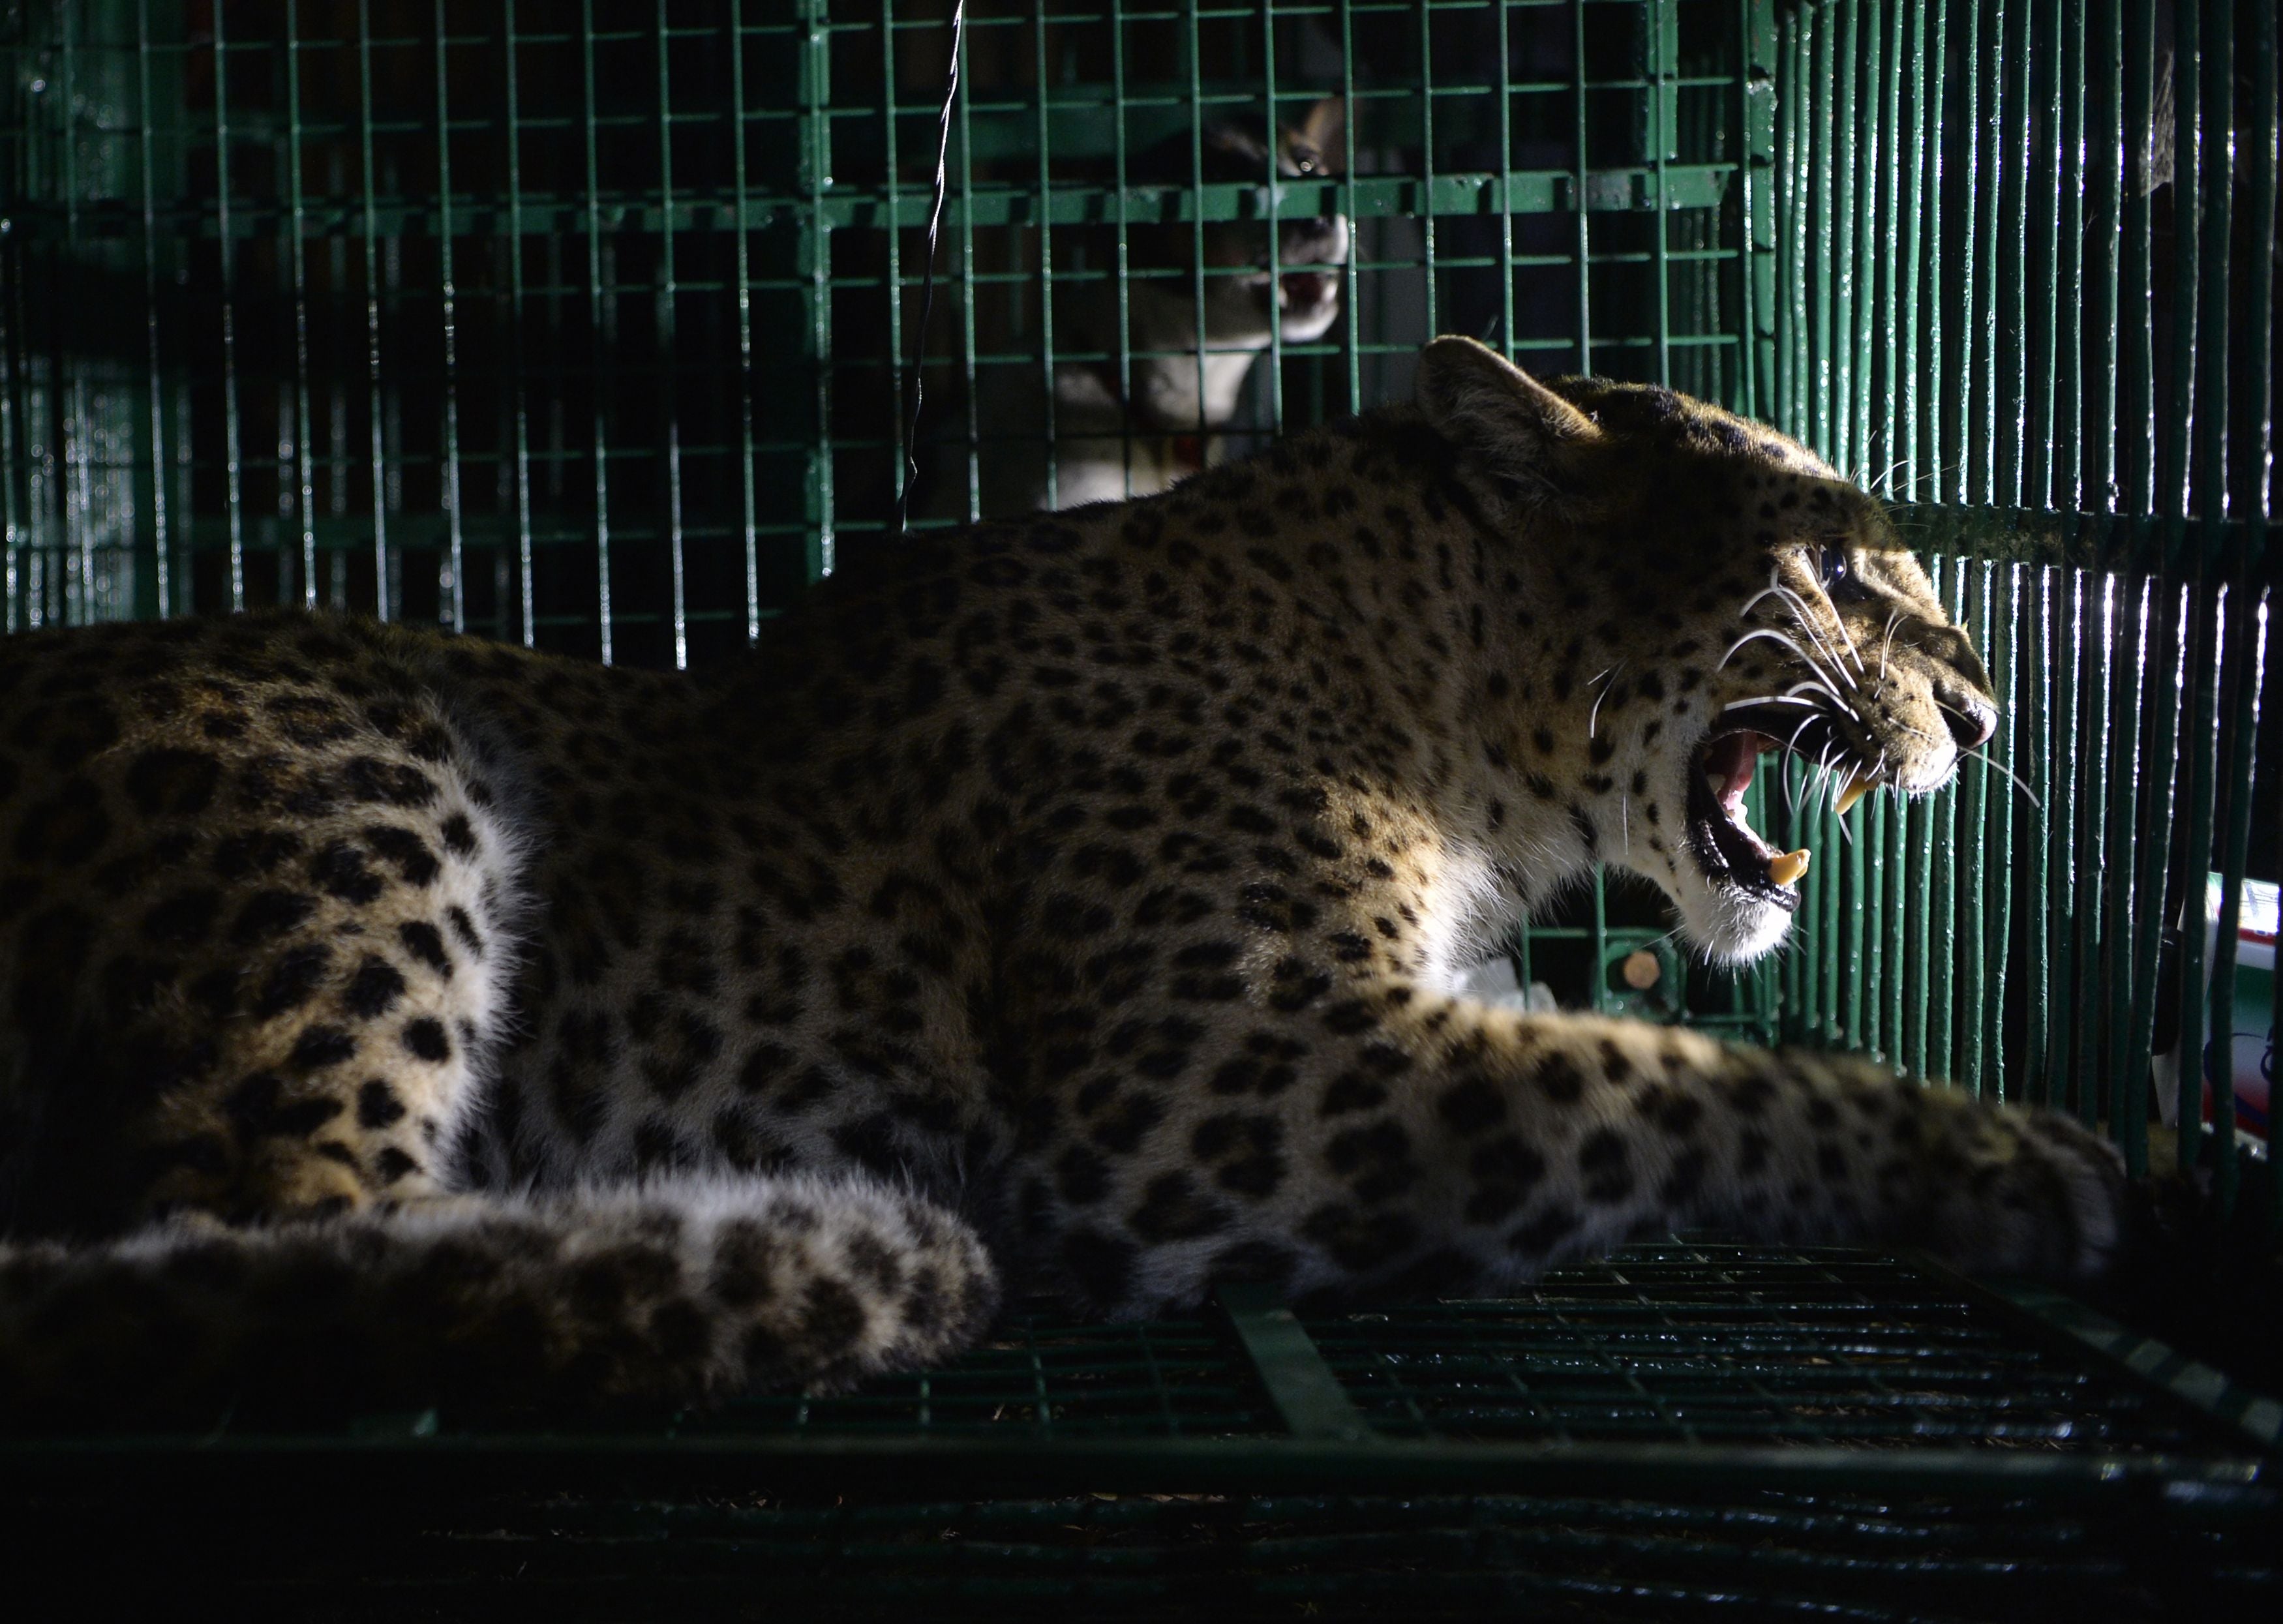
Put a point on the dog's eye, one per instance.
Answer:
(1834, 564)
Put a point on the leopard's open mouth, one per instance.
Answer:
(1720, 833)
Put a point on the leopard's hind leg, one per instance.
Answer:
(274, 995)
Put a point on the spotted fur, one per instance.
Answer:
(1078, 902)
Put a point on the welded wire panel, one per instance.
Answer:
(1734, 1345)
(445, 314)
(597, 326)
(1679, 1342)
(1128, 188)
(2029, 259)
(1046, 1379)
(473, 292)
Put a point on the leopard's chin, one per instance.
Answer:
(1727, 924)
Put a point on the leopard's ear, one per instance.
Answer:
(1520, 432)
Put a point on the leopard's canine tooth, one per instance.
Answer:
(1786, 867)
(1858, 786)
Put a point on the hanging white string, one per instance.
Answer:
(927, 275)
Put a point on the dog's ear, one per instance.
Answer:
(1517, 429)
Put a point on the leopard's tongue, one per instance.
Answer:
(1729, 768)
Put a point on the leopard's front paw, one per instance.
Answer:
(2075, 1190)
(2012, 1191)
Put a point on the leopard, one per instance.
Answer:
(1070, 908)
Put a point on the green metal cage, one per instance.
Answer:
(598, 326)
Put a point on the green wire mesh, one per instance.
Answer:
(1842, 1435)
(1679, 1343)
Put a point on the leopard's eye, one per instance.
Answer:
(1834, 564)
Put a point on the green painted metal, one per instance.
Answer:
(1740, 1428)
(1715, 1363)
(1307, 1393)
(2077, 434)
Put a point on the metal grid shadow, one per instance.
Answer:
(1170, 1379)
(1705, 1344)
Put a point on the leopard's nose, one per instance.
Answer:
(1971, 724)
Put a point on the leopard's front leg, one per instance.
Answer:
(1385, 1139)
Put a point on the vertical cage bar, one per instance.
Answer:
(383, 560)
(1663, 45)
(820, 177)
(2245, 635)
(1046, 261)
(2170, 607)
(233, 467)
(2107, 182)
(297, 224)
(1934, 111)
(2136, 408)
(1118, 135)
(1824, 385)
(1350, 311)
(163, 552)
(2016, 79)
(75, 433)
(1911, 260)
(2004, 616)
(2258, 405)
(668, 297)
(1843, 196)
(1872, 172)
(1579, 186)
(2175, 500)
(455, 571)
(519, 403)
(1273, 182)
(906, 453)
(598, 323)
(1427, 168)
(1757, 231)
(1193, 66)
(1938, 940)
(1504, 91)
(814, 262)
(1969, 861)
(2095, 628)
(2124, 1077)
(2212, 157)
(2056, 1061)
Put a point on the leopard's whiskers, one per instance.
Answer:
(1807, 620)
(1991, 762)
(1593, 717)
(1791, 748)
(1997, 767)
(1893, 621)
(1815, 668)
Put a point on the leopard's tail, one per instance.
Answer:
(673, 1292)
